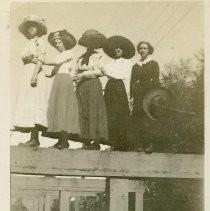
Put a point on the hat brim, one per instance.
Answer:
(92, 41)
(160, 93)
(115, 42)
(69, 40)
(42, 28)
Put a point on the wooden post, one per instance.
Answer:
(26, 203)
(118, 194)
(41, 204)
(47, 204)
(77, 198)
(64, 200)
(139, 200)
(35, 204)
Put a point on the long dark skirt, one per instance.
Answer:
(92, 110)
(117, 112)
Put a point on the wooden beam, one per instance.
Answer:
(52, 183)
(79, 162)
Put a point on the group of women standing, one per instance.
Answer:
(86, 115)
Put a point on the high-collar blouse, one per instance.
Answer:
(119, 68)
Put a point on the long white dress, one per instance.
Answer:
(32, 101)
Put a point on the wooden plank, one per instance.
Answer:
(15, 193)
(52, 183)
(32, 193)
(104, 163)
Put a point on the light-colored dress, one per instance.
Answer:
(32, 101)
(63, 113)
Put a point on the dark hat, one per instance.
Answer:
(65, 36)
(92, 38)
(33, 20)
(157, 97)
(115, 42)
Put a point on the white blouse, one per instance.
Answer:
(66, 67)
(95, 61)
(35, 49)
(119, 68)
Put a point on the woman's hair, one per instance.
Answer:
(30, 24)
(150, 48)
(66, 44)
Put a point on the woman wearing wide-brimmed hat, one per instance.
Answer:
(92, 109)
(118, 71)
(144, 77)
(33, 96)
(63, 114)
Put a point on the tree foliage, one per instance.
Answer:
(185, 80)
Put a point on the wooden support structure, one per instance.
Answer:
(104, 163)
(119, 189)
(122, 168)
(49, 188)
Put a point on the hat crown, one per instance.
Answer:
(60, 34)
(33, 18)
(91, 32)
(64, 35)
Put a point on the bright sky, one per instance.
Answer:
(175, 29)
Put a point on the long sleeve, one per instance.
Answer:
(155, 74)
(95, 63)
(40, 50)
(132, 81)
(93, 67)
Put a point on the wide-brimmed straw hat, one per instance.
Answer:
(115, 42)
(156, 101)
(67, 38)
(92, 39)
(35, 21)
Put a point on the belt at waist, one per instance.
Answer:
(87, 79)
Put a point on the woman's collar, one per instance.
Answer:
(148, 59)
(120, 59)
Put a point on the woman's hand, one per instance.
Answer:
(78, 77)
(34, 60)
(34, 80)
(48, 75)
(104, 72)
(84, 67)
